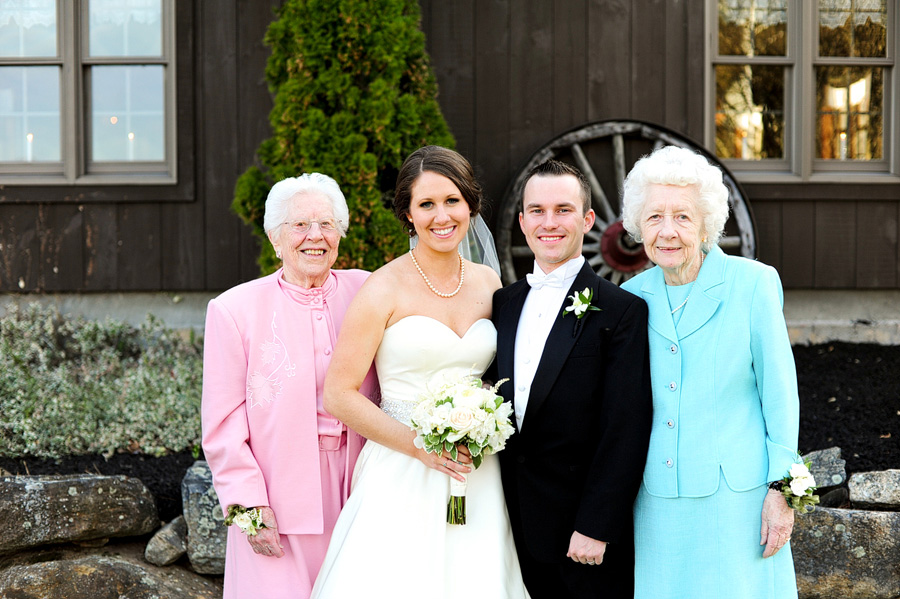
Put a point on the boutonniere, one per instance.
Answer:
(581, 303)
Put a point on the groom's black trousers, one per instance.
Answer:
(567, 579)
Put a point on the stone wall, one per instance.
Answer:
(88, 536)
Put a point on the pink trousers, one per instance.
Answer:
(249, 575)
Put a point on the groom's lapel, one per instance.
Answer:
(562, 339)
(507, 325)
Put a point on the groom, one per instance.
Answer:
(580, 388)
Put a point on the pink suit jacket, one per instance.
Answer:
(260, 433)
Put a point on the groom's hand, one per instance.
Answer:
(586, 550)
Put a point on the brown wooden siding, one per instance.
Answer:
(145, 238)
(512, 74)
(515, 74)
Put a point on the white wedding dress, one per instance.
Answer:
(392, 538)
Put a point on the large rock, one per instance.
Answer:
(38, 510)
(851, 554)
(168, 544)
(110, 574)
(205, 524)
(827, 467)
(879, 490)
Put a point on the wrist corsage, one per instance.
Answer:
(581, 303)
(248, 520)
(798, 488)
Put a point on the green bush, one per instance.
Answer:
(354, 95)
(72, 386)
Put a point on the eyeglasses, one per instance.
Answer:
(326, 225)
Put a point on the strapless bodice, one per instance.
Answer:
(416, 349)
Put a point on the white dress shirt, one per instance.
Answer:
(538, 315)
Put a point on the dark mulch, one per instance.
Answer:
(849, 397)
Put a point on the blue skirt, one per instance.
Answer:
(707, 548)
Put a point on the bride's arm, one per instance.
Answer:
(359, 338)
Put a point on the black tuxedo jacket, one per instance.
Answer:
(577, 463)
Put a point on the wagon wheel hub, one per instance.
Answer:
(620, 251)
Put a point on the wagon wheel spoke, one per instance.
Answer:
(618, 143)
(596, 189)
(730, 242)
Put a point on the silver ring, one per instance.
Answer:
(592, 563)
(445, 463)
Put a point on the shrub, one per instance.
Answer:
(72, 386)
(354, 95)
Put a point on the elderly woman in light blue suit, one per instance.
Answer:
(725, 404)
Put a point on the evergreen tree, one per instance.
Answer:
(353, 96)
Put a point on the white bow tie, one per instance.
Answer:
(538, 280)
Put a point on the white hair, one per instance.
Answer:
(671, 165)
(277, 203)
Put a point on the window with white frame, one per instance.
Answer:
(87, 91)
(804, 87)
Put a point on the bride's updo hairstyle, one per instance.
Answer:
(442, 161)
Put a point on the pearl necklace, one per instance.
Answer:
(682, 304)
(462, 275)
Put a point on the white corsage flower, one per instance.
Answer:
(581, 303)
(798, 488)
(248, 520)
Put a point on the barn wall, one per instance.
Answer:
(514, 74)
(102, 239)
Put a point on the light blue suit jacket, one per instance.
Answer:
(724, 381)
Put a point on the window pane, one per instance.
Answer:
(749, 112)
(28, 28)
(127, 113)
(125, 28)
(853, 28)
(752, 27)
(849, 113)
(29, 114)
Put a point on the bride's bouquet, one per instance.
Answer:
(462, 412)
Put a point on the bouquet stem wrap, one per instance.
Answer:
(456, 506)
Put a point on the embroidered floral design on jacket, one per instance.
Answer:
(266, 387)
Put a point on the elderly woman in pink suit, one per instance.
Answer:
(269, 442)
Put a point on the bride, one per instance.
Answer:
(424, 314)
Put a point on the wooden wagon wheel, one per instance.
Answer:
(605, 151)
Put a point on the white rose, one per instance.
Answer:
(462, 418)
(799, 471)
(800, 485)
(243, 521)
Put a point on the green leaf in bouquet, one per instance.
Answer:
(477, 459)
(454, 453)
(448, 446)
